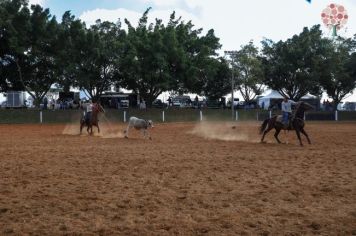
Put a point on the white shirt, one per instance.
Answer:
(287, 106)
(89, 107)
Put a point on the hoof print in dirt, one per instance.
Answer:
(315, 226)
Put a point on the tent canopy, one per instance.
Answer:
(265, 101)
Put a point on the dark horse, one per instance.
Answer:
(296, 123)
(93, 121)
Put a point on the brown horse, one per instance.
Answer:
(93, 121)
(296, 123)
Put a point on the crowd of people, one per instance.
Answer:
(326, 105)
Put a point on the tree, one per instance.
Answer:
(291, 67)
(249, 72)
(70, 38)
(145, 63)
(338, 76)
(31, 38)
(97, 58)
(198, 58)
(13, 21)
(216, 81)
(162, 58)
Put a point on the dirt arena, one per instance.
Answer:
(190, 179)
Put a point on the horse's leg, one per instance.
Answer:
(269, 127)
(81, 127)
(98, 128)
(278, 130)
(127, 131)
(286, 132)
(297, 131)
(305, 134)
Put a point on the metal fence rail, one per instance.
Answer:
(32, 116)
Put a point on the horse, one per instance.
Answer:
(296, 123)
(93, 121)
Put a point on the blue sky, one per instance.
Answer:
(77, 7)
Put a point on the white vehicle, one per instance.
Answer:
(176, 102)
(15, 99)
(3, 104)
(124, 103)
(236, 102)
(181, 101)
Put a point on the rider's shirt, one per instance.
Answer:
(287, 106)
(89, 107)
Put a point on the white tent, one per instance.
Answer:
(265, 101)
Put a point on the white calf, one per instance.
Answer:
(139, 124)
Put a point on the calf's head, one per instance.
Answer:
(150, 123)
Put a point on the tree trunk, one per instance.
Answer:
(66, 88)
(336, 101)
(36, 100)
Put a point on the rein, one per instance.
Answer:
(298, 114)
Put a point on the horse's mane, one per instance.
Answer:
(297, 112)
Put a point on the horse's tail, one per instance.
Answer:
(264, 125)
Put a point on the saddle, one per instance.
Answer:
(290, 123)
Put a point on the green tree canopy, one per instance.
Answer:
(161, 58)
(71, 37)
(97, 55)
(290, 67)
(248, 66)
(31, 43)
(338, 74)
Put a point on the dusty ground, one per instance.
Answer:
(191, 179)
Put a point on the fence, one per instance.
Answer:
(31, 116)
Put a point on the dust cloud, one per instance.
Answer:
(227, 131)
(107, 129)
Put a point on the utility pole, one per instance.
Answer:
(231, 54)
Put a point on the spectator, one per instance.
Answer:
(45, 103)
(143, 104)
(170, 102)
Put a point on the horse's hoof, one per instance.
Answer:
(150, 138)
(233, 127)
(126, 137)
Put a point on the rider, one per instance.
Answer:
(286, 110)
(88, 110)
